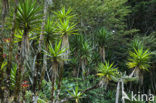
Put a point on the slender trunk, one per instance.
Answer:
(41, 42)
(74, 71)
(78, 70)
(117, 92)
(25, 47)
(43, 70)
(43, 24)
(104, 82)
(5, 7)
(83, 68)
(60, 79)
(103, 53)
(23, 57)
(54, 76)
(123, 99)
(65, 44)
(36, 70)
(76, 100)
(53, 88)
(139, 74)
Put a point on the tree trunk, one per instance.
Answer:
(83, 68)
(41, 44)
(43, 24)
(36, 76)
(123, 99)
(59, 81)
(23, 57)
(53, 78)
(43, 70)
(103, 53)
(117, 93)
(65, 44)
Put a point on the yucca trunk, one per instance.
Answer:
(59, 81)
(103, 53)
(76, 100)
(25, 46)
(65, 44)
(43, 24)
(74, 71)
(43, 70)
(138, 73)
(153, 79)
(104, 82)
(23, 57)
(36, 76)
(117, 93)
(53, 78)
(122, 84)
(83, 66)
(41, 41)
(5, 7)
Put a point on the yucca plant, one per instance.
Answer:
(76, 94)
(106, 71)
(103, 38)
(50, 28)
(55, 53)
(76, 43)
(139, 60)
(65, 28)
(85, 56)
(136, 43)
(27, 18)
(64, 14)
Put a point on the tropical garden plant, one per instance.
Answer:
(106, 71)
(55, 53)
(139, 60)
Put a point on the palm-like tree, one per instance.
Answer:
(50, 28)
(76, 94)
(85, 56)
(139, 60)
(55, 53)
(65, 27)
(136, 43)
(64, 14)
(106, 71)
(121, 79)
(27, 18)
(103, 38)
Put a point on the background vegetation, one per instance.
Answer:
(77, 51)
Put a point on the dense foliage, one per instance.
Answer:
(77, 51)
